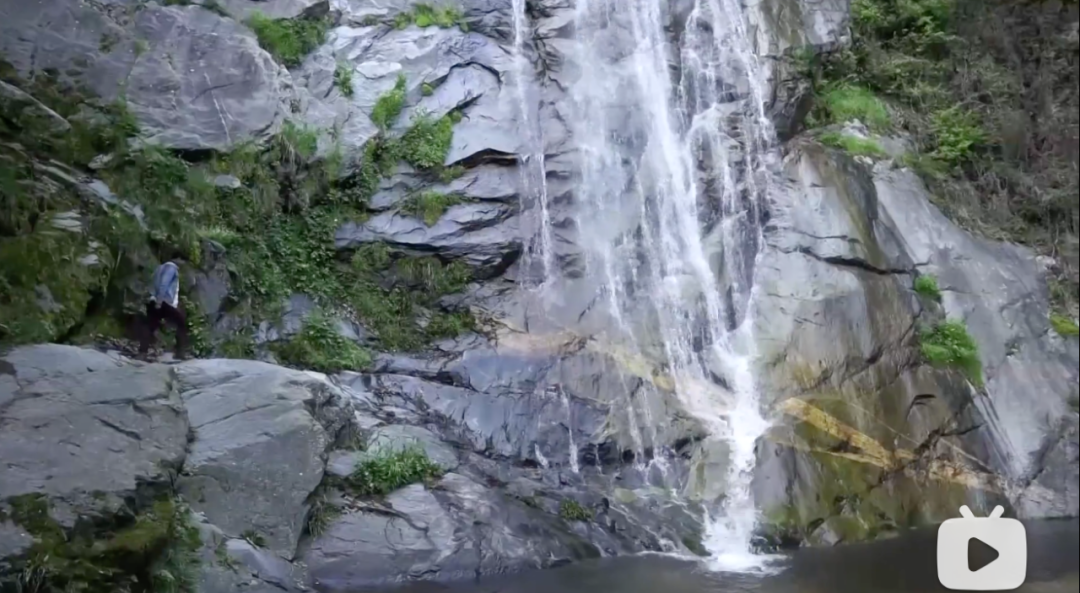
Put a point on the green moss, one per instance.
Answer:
(320, 347)
(156, 550)
(426, 89)
(842, 103)
(429, 206)
(1064, 326)
(44, 285)
(853, 144)
(389, 105)
(571, 510)
(343, 79)
(391, 470)
(288, 40)
(950, 344)
(927, 286)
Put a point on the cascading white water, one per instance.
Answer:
(531, 158)
(667, 210)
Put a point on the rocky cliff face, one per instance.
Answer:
(544, 434)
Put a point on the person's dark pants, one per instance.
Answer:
(155, 314)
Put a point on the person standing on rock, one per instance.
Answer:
(164, 305)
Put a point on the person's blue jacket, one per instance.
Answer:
(165, 287)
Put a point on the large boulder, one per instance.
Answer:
(457, 529)
(261, 433)
(85, 429)
(194, 78)
(872, 437)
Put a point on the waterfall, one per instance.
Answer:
(538, 252)
(672, 171)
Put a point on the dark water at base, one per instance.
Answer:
(904, 564)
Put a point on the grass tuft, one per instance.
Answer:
(845, 102)
(950, 344)
(391, 470)
(388, 106)
(927, 286)
(429, 206)
(572, 511)
(343, 79)
(288, 40)
(853, 145)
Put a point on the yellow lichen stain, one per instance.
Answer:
(874, 453)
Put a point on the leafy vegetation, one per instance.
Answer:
(571, 510)
(277, 228)
(343, 79)
(988, 92)
(430, 15)
(1064, 326)
(853, 145)
(390, 470)
(429, 206)
(949, 344)
(155, 550)
(288, 40)
(927, 286)
(320, 347)
(388, 106)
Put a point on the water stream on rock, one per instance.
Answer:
(671, 174)
(531, 159)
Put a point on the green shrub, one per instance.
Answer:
(844, 102)
(391, 470)
(288, 40)
(319, 346)
(426, 89)
(431, 276)
(430, 15)
(991, 144)
(572, 511)
(957, 135)
(427, 141)
(950, 344)
(427, 15)
(278, 227)
(853, 144)
(1064, 326)
(429, 206)
(389, 105)
(927, 286)
(343, 79)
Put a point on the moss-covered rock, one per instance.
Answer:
(153, 549)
